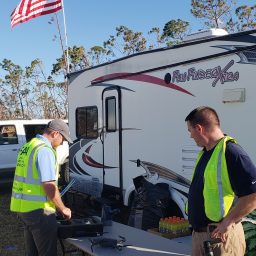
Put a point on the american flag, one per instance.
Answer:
(29, 9)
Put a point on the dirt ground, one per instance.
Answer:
(11, 230)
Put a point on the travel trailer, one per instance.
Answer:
(127, 116)
(13, 135)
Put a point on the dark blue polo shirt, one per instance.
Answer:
(242, 175)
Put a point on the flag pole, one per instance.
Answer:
(66, 37)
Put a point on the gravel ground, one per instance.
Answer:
(11, 230)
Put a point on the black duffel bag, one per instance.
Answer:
(150, 203)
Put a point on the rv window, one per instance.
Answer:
(111, 114)
(8, 135)
(87, 122)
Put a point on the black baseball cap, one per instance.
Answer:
(61, 127)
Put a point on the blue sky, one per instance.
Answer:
(89, 23)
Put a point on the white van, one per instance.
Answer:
(13, 135)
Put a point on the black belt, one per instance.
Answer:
(209, 228)
(202, 229)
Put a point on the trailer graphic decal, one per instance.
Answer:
(163, 172)
(217, 73)
(141, 78)
(78, 169)
(75, 159)
(91, 162)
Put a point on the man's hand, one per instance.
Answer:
(66, 213)
(221, 231)
(243, 207)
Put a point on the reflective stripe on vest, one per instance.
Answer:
(220, 189)
(30, 197)
(27, 180)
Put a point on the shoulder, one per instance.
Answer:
(234, 150)
(237, 159)
(45, 151)
(242, 171)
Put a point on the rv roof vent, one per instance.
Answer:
(205, 34)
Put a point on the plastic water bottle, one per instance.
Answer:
(165, 225)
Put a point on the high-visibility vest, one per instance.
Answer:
(218, 193)
(28, 193)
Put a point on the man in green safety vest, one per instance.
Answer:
(223, 187)
(35, 195)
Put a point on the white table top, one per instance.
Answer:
(140, 243)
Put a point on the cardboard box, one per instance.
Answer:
(168, 235)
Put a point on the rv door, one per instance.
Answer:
(112, 137)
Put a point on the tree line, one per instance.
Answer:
(30, 93)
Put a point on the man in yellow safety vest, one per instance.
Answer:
(223, 171)
(35, 195)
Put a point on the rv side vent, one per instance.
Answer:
(205, 34)
(233, 95)
(189, 155)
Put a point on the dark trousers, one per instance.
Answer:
(40, 233)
